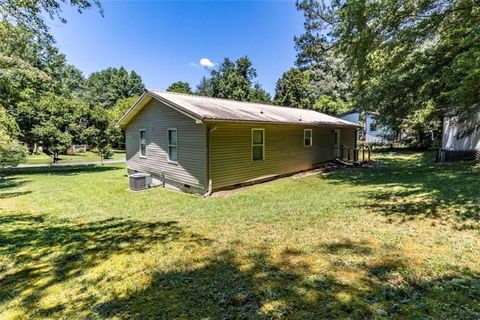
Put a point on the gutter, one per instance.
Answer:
(209, 166)
(317, 124)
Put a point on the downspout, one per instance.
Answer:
(209, 167)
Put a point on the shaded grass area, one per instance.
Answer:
(75, 243)
(88, 156)
(411, 186)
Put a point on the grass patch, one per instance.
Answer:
(88, 156)
(400, 240)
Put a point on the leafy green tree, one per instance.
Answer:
(259, 95)
(204, 88)
(404, 56)
(234, 80)
(73, 83)
(180, 87)
(28, 67)
(105, 87)
(117, 137)
(12, 152)
(56, 114)
(330, 83)
(31, 14)
(291, 89)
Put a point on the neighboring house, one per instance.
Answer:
(77, 148)
(375, 133)
(200, 144)
(461, 138)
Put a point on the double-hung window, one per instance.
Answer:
(258, 144)
(172, 145)
(143, 143)
(307, 137)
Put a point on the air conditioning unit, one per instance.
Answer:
(140, 181)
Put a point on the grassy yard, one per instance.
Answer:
(401, 240)
(88, 156)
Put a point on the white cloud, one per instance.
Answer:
(205, 62)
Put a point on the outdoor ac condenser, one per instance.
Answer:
(140, 181)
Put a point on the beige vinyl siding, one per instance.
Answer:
(157, 118)
(231, 151)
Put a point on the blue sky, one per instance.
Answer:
(164, 40)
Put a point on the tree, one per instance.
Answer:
(31, 14)
(404, 56)
(291, 89)
(204, 88)
(117, 137)
(11, 150)
(29, 69)
(330, 84)
(56, 114)
(105, 87)
(180, 87)
(73, 82)
(259, 95)
(27, 66)
(234, 80)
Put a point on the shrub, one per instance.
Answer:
(107, 152)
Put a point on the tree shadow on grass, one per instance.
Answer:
(356, 280)
(413, 186)
(229, 286)
(7, 183)
(43, 252)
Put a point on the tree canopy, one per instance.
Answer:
(31, 14)
(12, 152)
(180, 87)
(234, 80)
(291, 89)
(406, 58)
(107, 86)
(51, 102)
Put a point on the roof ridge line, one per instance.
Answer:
(233, 100)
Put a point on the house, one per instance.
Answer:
(460, 138)
(375, 133)
(200, 144)
(77, 148)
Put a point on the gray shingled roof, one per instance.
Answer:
(213, 109)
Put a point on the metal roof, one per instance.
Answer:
(207, 109)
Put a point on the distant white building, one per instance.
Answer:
(375, 133)
(461, 138)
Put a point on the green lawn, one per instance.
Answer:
(400, 240)
(78, 157)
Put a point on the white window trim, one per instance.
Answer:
(311, 137)
(140, 143)
(253, 145)
(171, 145)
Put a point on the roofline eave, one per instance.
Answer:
(319, 124)
(125, 119)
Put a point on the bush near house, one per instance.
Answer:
(397, 241)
